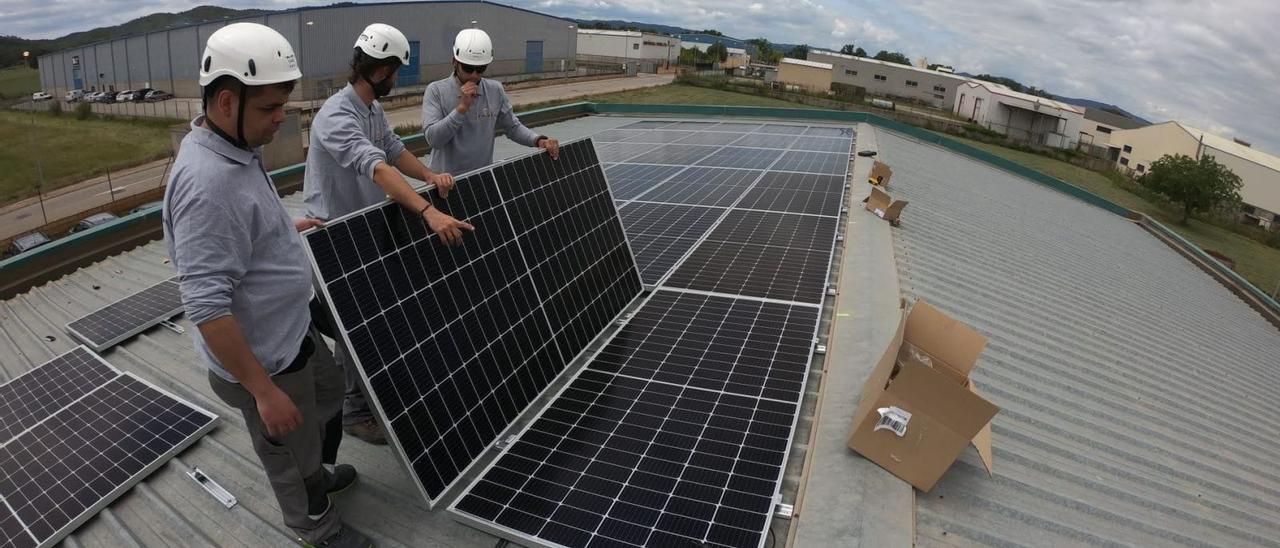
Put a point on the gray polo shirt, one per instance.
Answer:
(348, 140)
(235, 249)
(461, 143)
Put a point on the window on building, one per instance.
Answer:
(881, 77)
(1142, 168)
(1276, 218)
(1248, 209)
(937, 96)
(851, 72)
(1124, 161)
(940, 89)
(1128, 148)
(912, 83)
(635, 46)
(1103, 129)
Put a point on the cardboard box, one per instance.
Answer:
(884, 206)
(919, 410)
(880, 174)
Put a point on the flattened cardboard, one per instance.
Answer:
(884, 206)
(924, 372)
(880, 174)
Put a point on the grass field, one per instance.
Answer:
(71, 150)
(18, 81)
(1257, 262)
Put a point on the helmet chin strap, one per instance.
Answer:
(238, 140)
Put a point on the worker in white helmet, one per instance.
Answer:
(461, 112)
(246, 282)
(356, 160)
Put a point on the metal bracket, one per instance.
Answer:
(839, 238)
(821, 349)
(173, 327)
(781, 509)
(503, 443)
(227, 499)
(831, 291)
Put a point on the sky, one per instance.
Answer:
(1206, 63)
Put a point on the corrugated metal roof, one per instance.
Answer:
(1138, 395)
(804, 63)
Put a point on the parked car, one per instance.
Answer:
(124, 96)
(40, 96)
(105, 97)
(97, 219)
(158, 95)
(74, 95)
(146, 206)
(140, 94)
(27, 242)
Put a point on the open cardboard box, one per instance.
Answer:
(919, 410)
(880, 174)
(884, 206)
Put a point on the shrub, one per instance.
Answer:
(55, 107)
(84, 111)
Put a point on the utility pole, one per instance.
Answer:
(26, 60)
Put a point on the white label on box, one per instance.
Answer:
(879, 213)
(894, 419)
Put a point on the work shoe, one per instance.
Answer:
(346, 537)
(344, 476)
(368, 430)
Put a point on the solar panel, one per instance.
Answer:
(63, 470)
(620, 152)
(782, 129)
(614, 135)
(787, 274)
(31, 397)
(827, 131)
(655, 443)
(776, 229)
(708, 186)
(660, 136)
(796, 193)
(813, 162)
(765, 140)
(822, 144)
(647, 124)
(680, 155)
(710, 138)
(694, 125)
(736, 127)
(107, 326)
(630, 180)
(738, 157)
(661, 234)
(453, 343)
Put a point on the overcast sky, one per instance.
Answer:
(1203, 62)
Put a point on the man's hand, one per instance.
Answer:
(551, 145)
(446, 227)
(443, 182)
(469, 93)
(279, 415)
(305, 224)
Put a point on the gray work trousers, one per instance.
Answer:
(355, 408)
(293, 461)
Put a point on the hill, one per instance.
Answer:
(1090, 103)
(11, 47)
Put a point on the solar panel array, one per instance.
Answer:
(111, 324)
(78, 434)
(454, 343)
(676, 432)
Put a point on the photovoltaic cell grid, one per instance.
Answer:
(30, 398)
(630, 180)
(107, 326)
(675, 435)
(454, 343)
(661, 234)
(791, 192)
(703, 186)
(60, 471)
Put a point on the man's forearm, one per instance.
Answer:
(408, 163)
(226, 340)
(394, 184)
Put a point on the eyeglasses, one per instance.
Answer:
(478, 69)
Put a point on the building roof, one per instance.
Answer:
(605, 32)
(802, 62)
(1111, 119)
(1000, 89)
(1138, 396)
(1231, 147)
(887, 64)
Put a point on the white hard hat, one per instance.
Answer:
(473, 47)
(381, 41)
(254, 54)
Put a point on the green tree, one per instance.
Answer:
(799, 52)
(765, 50)
(892, 57)
(849, 49)
(718, 52)
(1196, 185)
(711, 32)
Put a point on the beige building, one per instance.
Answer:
(806, 75)
(930, 87)
(1259, 172)
(1099, 124)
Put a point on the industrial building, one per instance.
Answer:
(937, 89)
(651, 51)
(807, 75)
(1099, 125)
(1020, 116)
(1258, 171)
(524, 42)
(703, 41)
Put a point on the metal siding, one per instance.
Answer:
(106, 69)
(287, 25)
(136, 46)
(158, 59)
(1138, 395)
(185, 48)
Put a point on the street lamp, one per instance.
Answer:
(26, 55)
